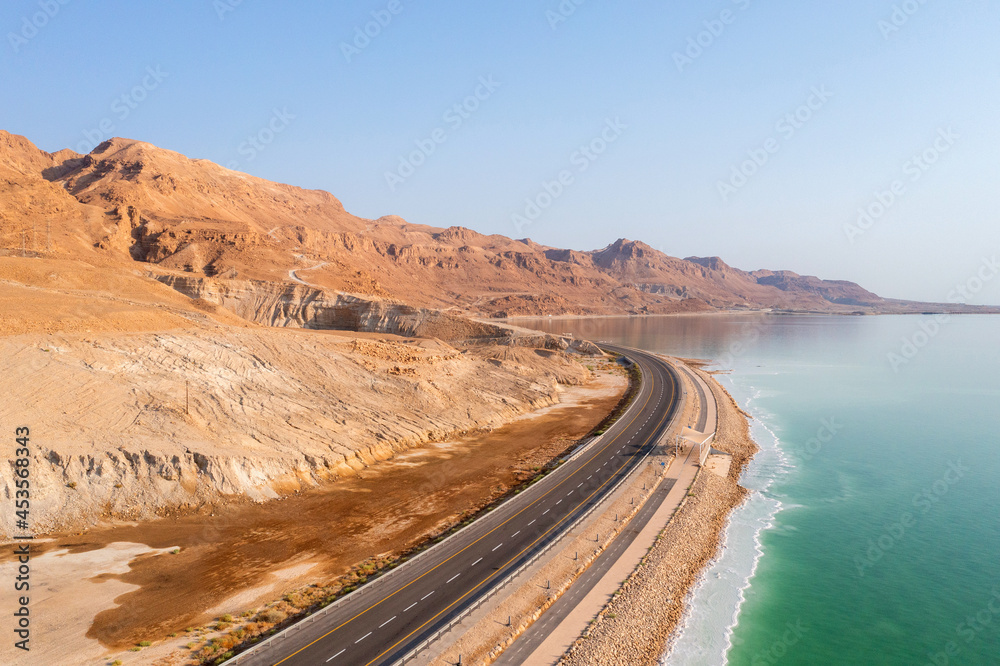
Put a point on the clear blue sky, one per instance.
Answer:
(226, 66)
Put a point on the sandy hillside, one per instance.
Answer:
(141, 399)
(125, 424)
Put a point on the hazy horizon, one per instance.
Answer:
(896, 105)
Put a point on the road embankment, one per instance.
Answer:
(636, 626)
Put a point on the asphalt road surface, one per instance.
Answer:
(539, 631)
(383, 623)
(536, 634)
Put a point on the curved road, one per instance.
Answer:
(385, 620)
(525, 647)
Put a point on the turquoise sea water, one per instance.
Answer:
(873, 533)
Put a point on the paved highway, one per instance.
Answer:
(536, 634)
(384, 621)
(527, 643)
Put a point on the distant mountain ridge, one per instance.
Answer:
(131, 203)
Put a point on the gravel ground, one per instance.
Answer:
(637, 625)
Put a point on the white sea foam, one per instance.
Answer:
(706, 632)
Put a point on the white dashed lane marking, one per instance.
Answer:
(337, 655)
(388, 621)
(363, 638)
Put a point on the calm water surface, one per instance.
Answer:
(873, 533)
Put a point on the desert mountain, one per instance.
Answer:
(131, 203)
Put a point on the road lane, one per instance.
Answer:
(547, 639)
(398, 612)
(536, 634)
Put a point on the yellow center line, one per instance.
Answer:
(511, 560)
(415, 580)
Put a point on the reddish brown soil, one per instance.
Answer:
(388, 509)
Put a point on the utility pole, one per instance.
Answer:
(23, 234)
(187, 397)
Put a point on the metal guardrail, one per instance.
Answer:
(513, 575)
(380, 581)
(521, 569)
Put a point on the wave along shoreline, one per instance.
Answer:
(705, 635)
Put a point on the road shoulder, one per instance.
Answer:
(637, 624)
(500, 625)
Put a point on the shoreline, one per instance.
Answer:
(734, 570)
(642, 622)
(988, 310)
(496, 634)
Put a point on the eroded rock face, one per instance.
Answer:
(131, 425)
(131, 201)
(300, 306)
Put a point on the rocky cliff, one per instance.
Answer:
(131, 202)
